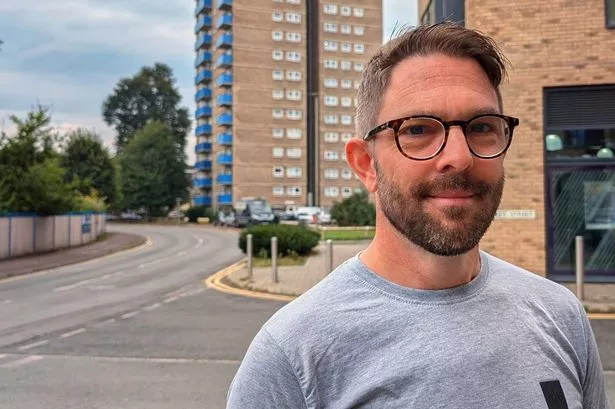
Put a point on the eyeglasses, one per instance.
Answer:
(423, 137)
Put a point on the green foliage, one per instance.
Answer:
(292, 240)
(150, 177)
(354, 211)
(199, 211)
(92, 202)
(86, 159)
(148, 96)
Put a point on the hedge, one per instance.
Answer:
(292, 240)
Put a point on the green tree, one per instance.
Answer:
(148, 96)
(151, 178)
(355, 210)
(85, 158)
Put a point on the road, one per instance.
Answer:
(139, 330)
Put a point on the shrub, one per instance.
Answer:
(354, 211)
(292, 240)
(199, 211)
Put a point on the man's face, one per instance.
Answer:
(444, 204)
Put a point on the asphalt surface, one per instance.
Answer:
(85, 336)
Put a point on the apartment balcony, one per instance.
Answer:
(202, 165)
(202, 200)
(203, 23)
(224, 179)
(224, 22)
(225, 199)
(224, 119)
(224, 4)
(224, 61)
(203, 147)
(224, 100)
(202, 183)
(225, 138)
(224, 41)
(204, 40)
(202, 58)
(203, 112)
(203, 130)
(203, 76)
(224, 80)
(224, 159)
(203, 95)
(202, 6)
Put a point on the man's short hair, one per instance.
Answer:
(445, 38)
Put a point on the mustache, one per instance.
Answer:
(460, 181)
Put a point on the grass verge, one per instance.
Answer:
(349, 234)
(282, 261)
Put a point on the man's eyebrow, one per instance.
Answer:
(469, 114)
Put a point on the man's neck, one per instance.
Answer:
(406, 264)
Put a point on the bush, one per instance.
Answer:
(199, 211)
(292, 240)
(354, 211)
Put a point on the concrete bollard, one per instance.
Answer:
(249, 251)
(274, 259)
(328, 256)
(580, 271)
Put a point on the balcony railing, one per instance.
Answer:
(224, 4)
(225, 199)
(224, 119)
(224, 80)
(224, 41)
(204, 129)
(225, 21)
(202, 40)
(224, 179)
(201, 6)
(203, 112)
(224, 100)
(202, 182)
(224, 139)
(224, 61)
(203, 147)
(202, 58)
(224, 159)
(203, 94)
(203, 76)
(202, 200)
(203, 23)
(203, 165)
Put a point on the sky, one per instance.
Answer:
(69, 54)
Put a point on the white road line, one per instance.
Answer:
(130, 314)
(171, 299)
(151, 307)
(181, 253)
(71, 333)
(84, 282)
(33, 345)
(23, 361)
(8, 301)
(2, 356)
(199, 291)
(100, 324)
(200, 242)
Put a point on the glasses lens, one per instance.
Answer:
(420, 138)
(488, 135)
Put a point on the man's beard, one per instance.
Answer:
(407, 213)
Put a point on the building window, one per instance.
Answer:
(277, 55)
(330, 64)
(359, 48)
(357, 84)
(277, 94)
(293, 18)
(293, 114)
(332, 191)
(294, 133)
(277, 113)
(358, 66)
(293, 191)
(359, 30)
(278, 191)
(330, 119)
(293, 95)
(277, 75)
(346, 102)
(345, 11)
(277, 133)
(346, 174)
(332, 137)
(330, 9)
(293, 1)
(346, 136)
(330, 83)
(277, 152)
(293, 75)
(346, 65)
(346, 191)
(293, 37)
(293, 172)
(277, 16)
(330, 100)
(330, 45)
(346, 119)
(331, 155)
(277, 35)
(346, 48)
(331, 173)
(293, 56)
(293, 152)
(610, 13)
(358, 12)
(346, 84)
(345, 29)
(330, 27)
(278, 171)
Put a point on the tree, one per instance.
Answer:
(151, 178)
(86, 159)
(355, 210)
(148, 96)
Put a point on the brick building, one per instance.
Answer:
(275, 85)
(560, 168)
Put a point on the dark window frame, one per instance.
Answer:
(609, 6)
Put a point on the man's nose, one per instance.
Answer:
(456, 155)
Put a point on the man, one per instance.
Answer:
(422, 318)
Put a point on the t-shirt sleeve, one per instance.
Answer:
(265, 378)
(594, 391)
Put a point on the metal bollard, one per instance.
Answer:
(274, 259)
(328, 256)
(580, 272)
(249, 251)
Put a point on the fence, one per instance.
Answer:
(22, 234)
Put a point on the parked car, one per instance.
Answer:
(225, 217)
(253, 211)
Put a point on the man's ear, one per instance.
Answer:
(359, 158)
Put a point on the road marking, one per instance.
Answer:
(181, 253)
(23, 361)
(7, 301)
(100, 324)
(130, 314)
(33, 345)
(153, 262)
(171, 299)
(88, 281)
(151, 307)
(2, 356)
(72, 333)
(162, 360)
(200, 242)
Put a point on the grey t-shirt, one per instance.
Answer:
(507, 339)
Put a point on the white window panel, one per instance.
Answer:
(330, 100)
(358, 66)
(359, 48)
(277, 55)
(330, 83)
(293, 1)
(330, 64)
(277, 16)
(278, 191)
(293, 95)
(346, 102)
(357, 84)
(332, 137)
(293, 172)
(332, 191)
(294, 133)
(277, 94)
(293, 190)
(331, 173)
(345, 11)
(346, 136)
(293, 152)
(277, 113)
(330, 27)
(330, 9)
(346, 119)
(294, 114)
(345, 29)
(330, 45)
(277, 152)
(293, 37)
(277, 1)
(346, 48)
(358, 12)
(293, 18)
(293, 75)
(359, 30)
(277, 75)
(346, 174)
(346, 65)
(331, 155)
(277, 35)
(277, 133)
(346, 84)
(330, 119)
(346, 191)
(343, 155)
(293, 56)
(278, 171)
